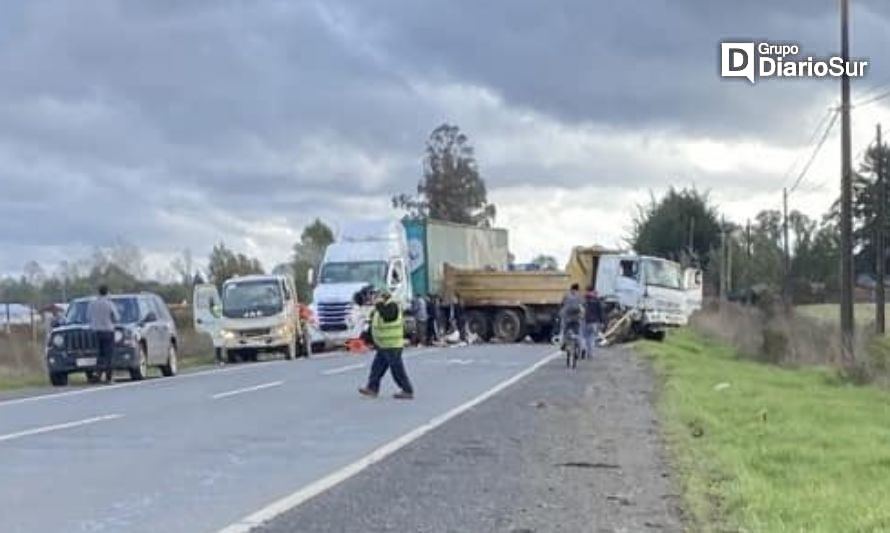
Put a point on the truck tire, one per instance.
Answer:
(478, 324)
(508, 325)
(58, 379)
(657, 336)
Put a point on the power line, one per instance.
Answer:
(812, 138)
(824, 138)
(873, 99)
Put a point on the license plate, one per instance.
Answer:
(86, 361)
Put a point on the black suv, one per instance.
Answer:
(144, 337)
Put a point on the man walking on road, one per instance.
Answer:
(422, 318)
(102, 315)
(388, 332)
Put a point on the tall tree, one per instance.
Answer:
(451, 188)
(545, 262)
(307, 255)
(679, 225)
(225, 264)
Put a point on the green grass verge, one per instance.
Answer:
(778, 450)
(863, 313)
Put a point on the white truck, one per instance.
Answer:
(404, 257)
(256, 314)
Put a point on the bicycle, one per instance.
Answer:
(572, 348)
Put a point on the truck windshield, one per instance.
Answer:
(373, 272)
(242, 299)
(127, 308)
(662, 273)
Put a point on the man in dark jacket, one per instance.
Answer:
(593, 319)
(388, 332)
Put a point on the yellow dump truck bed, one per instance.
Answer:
(505, 288)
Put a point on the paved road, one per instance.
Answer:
(203, 451)
(560, 451)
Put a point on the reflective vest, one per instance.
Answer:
(388, 335)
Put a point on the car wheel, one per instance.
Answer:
(172, 366)
(141, 371)
(58, 379)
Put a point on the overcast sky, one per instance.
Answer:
(178, 123)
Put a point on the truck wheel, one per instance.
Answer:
(477, 323)
(657, 336)
(58, 379)
(508, 326)
(293, 350)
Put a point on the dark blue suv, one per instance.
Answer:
(144, 337)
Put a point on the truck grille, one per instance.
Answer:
(80, 340)
(261, 332)
(332, 316)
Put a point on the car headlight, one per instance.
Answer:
(118, 336)
(58, 341)
(282, 331)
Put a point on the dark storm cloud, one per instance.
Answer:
(174, 123)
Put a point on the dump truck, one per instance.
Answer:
(644, 295)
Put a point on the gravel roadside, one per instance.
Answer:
(560, 451)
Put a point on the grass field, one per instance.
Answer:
(864, 314)
(760, 448)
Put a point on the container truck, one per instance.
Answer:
(405, 257)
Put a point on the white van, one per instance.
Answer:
(254, 315)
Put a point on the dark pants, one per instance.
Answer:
(105, 343)
(389, 359)
(431, 330)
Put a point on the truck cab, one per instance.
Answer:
(652, 287)
(253, 315)
(365, 258)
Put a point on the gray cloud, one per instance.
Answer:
(179, 123)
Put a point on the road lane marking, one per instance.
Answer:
(317, 487)
(189, 375)
(57, 427)
(342, 369)
(247, 389)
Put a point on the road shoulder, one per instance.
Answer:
(559, 451)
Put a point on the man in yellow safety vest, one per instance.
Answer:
(388, 332)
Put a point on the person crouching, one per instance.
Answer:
(388, 333)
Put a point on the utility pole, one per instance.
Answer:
(722, 259)
(880, 252)
(692, 237)
(786, 293)
(846, 195)
(748, 238)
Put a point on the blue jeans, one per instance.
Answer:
(591, 332)
(389, 359)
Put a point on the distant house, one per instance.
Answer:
(17, 314)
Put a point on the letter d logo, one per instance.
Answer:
(737, 60)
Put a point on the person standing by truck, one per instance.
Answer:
(571, 313)
(432, 307)
(593, 319)
(422, 317)
(102, 315)
(388, 333)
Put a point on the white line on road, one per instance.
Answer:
(57, 427)
(247, 389)
(200, 373)
(342, 369)
(314, 489)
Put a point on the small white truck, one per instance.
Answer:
(254, 315)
